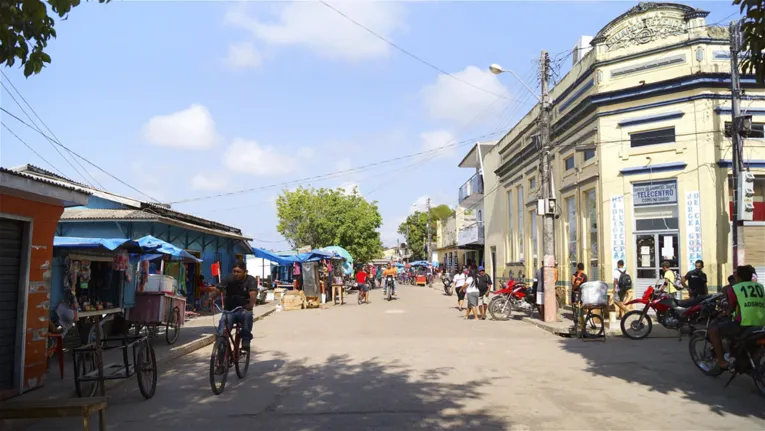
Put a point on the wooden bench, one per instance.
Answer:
(56, 409)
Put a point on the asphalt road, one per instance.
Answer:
(414, 364)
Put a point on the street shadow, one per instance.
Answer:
(286, 393)
(664, 365)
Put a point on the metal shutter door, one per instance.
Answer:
(10, 261)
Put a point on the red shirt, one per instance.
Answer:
(361, 277)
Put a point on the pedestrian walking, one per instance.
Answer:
(622, 288)
(696, 280)
(472, 292)
(459, 283)
(483, 282)
(670, 280)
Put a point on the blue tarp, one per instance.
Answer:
(110, 244)
(420, 263)
(341, 252)
(158, 246)
(273, 257)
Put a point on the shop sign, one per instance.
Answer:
(654, 193)
(693, 227)
(618, 243)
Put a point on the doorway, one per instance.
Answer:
(651, 249)
(494, 266)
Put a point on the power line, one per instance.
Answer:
(46, 127)
(31, 149)
(75, 154)
(51, 144)
(410, 54)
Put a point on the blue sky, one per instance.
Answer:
(192, 99)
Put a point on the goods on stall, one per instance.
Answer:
(160, 283)
(278, 292)
(293, 300)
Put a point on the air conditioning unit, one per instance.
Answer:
(746, 197)
(581, 49)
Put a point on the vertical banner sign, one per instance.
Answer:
(693, 227)
(617, 229)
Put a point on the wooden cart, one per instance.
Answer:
(155, 309)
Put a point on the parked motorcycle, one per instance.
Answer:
(745, 353)
(670, 313)
(515, 295)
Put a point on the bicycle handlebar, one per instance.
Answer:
(227, 311)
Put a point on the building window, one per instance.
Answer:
(571, 229)
(653, 137)
(510, 248)
(758, 130)
(532, 183)
(588, 154)
(569, 163)
(591, 203)
(534, 247)
(521, 227)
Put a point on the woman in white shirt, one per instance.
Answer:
(459, 282)
(472, 296)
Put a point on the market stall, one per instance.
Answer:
(160, 297)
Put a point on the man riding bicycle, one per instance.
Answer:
(241, 290)
(389, 271)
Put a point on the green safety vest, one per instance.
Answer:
(751, 303)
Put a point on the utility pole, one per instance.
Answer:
(428, 258)
(735, 94)
(548, 203)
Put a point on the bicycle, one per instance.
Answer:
(227, 350)
(590, 321)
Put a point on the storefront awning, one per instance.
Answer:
(156, 245)
(110, 244)
(273, 257)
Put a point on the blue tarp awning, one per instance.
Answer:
(273, 257)
(156, 245)
(110, 244)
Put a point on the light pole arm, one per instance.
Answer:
(524, 84)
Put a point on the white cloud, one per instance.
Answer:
(343, 164)
(305, 152)
(249, 157)
(208, 182)
(192, 128)
(324, 31)
(348, 188)
(243, 55)
(436, 139)
(452, 100)
(421, 204)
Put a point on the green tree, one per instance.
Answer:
(753, 29)
(441, 212)
(324, 217)
(26, 26)
(415, 230)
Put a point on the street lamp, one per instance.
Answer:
(497, 69)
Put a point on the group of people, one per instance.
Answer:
(475, 285)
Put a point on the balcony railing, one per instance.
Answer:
(472, 234)
(472, 188)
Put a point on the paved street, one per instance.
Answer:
(415, 364)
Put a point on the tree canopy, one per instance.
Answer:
(324, 217)
(26, 26)
(753, 29)
(441, 212)
(415, 230)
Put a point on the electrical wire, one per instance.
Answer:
(31, 149)
(409, 53)
(75, 154)
(38, 128)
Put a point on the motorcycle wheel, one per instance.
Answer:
(704, 357)
(632, 330)
(758, 373)
(499, 309)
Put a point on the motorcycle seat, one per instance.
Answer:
(680, 310)
(688, 303)
(752, 332)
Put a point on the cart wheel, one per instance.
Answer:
(86, 364)
(173, 327)
(243, 364)
(219, 365)
(146, 370)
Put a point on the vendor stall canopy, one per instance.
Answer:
(158, 246)
(147, 244)
(280, 259)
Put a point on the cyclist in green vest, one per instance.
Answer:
(746, 303)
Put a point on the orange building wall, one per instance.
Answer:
(45, 219)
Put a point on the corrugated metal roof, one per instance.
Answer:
(43, 180)
(106, 214)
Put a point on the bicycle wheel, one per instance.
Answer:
(173, 326)
(243, 363)
(86, 364)
(146, 369)
(594, 326)
(219, 365)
